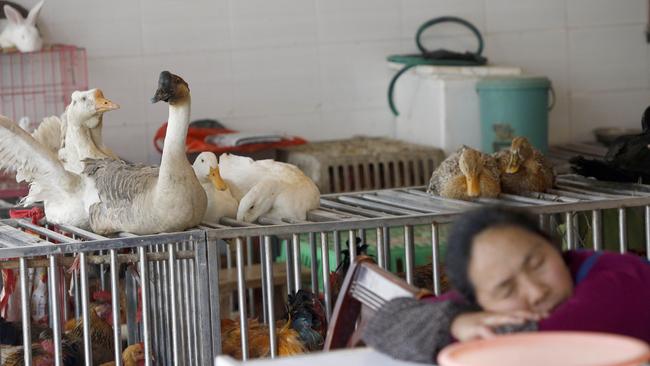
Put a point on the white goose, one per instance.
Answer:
(87, 108)
(111, 195)
(77, 134)
(143, 199)
(268, 188)
(221, 203)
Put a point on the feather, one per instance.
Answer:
(50, 133)
(20, 151)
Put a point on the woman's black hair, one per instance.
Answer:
(471, 224)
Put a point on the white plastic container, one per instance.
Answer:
(439, 105)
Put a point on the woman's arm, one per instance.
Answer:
(412, 330)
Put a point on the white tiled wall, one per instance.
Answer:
(316, 67)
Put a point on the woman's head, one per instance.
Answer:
(503, 261)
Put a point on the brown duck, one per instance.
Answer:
(524, 168)
(465, 175)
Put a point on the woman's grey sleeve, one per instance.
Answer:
(412, 330)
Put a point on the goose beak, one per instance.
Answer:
(165, 89)
(215, 178)
(473, 186)
(104, 105)
(513, 164)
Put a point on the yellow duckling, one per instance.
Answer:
(524, 168)
(466, 174)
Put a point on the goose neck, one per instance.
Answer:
(174, 145)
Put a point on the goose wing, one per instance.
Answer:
(50, 133)
(117, 180)
(21, 152)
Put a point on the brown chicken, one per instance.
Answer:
(101, 334)
(423, 277)
(43, 352)
(258, 339)
(132, 355)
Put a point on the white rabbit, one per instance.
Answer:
(21, 32)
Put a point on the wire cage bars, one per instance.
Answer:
(39, 84)
(173, 284)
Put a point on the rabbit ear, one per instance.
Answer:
(13, 15)
(33, 12)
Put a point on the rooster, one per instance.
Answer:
(258, 339)
(302, 329)
(101, 334)
(337, 277)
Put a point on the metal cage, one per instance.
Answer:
(177, 279)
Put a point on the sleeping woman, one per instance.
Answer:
(509, 276)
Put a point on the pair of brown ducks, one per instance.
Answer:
(468, 174)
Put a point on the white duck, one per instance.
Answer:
(111, 195)
(268, 188)
(221, 203)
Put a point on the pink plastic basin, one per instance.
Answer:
(548, 348)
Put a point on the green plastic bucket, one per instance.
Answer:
(514, 106)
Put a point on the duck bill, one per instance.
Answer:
(103, 105)
(473, 187)
(513, 164)
(217, 181)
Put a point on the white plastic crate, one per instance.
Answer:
(364, 163)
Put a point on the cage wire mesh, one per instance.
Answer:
(39, 84)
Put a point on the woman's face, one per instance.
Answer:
(514, 269)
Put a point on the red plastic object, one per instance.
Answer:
(34, 213)
(195, 142)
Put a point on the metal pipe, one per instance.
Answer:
(297, 262)
(165, 284)
(269, 293)
(326, 275)
(173, 288)
(263, 276)
(569, 230)
(289, 264)
(185, 310)
(25, 313)
(146, 321)
(381, 259)
(352, 246)
(203, 299)
(314, 263)
(337, 248)
(194, 309)
(77, 294)
(249, 262)
(85, 309)
(409, 253)
(596, 228)
(115, 294)
(435, 258)
(622, 230)
(241, 293)
(158, 306)
(55, 312)
(386, 234)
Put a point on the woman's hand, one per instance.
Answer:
(479, 325)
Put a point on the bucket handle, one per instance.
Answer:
(552, 98)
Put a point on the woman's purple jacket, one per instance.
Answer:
(611, 294)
